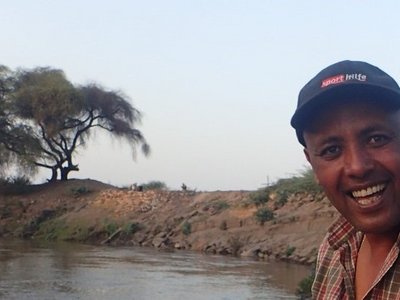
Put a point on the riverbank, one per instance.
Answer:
(221, 222)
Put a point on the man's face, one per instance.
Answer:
(354, 150)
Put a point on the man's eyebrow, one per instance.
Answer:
(373, 128)
(329, 140)
(320, 145)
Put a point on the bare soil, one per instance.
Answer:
(220, 222)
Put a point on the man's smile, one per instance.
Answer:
(366, 192)
(370, 195)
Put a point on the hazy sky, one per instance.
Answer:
(216, 80)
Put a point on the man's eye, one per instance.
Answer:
(330, 152)
(378, 140)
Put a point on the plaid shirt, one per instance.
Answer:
(336, 266)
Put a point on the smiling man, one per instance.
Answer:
(348, 120)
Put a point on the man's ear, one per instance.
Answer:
(308, 159)
(316, 179)
(307, 155)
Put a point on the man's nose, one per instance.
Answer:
(358, 162)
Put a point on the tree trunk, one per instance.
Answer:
(65, 171)
(53, 174)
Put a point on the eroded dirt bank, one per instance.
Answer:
(221, 222)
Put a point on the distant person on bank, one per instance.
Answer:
(348, 120)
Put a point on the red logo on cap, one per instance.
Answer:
(333, 80)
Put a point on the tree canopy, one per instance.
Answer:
(15, 138)
(44, 119)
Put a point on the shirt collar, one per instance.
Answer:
(341, 230)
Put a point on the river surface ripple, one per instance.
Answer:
(30, 270)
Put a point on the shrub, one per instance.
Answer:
(15, 185)
(235, 244)
(220, 205)
(79, 191)
(186, 228)
(260, 197)
(290, 250)
(304, 287)
(283, 188)
(110, 227)
(154, 185)
(282, 197)
(132, 228)
(223, 225)
(20, 180)
(56, 229)
(5, 212)
(305, 182)
(263, 215)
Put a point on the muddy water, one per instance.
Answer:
(70, 271)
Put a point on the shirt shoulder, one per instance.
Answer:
(337, 245)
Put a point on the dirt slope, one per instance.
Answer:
(213, 222)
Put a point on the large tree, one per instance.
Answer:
(62, 117)
(16, 142)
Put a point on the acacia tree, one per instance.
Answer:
(15, 138)
(62, 117)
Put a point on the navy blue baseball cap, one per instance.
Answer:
(344, 80)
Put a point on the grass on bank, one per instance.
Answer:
(303, 291)
(304, 182)
(15, 185)
(263, 215)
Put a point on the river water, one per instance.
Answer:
(30, 270)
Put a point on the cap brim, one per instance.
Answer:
(341, 94)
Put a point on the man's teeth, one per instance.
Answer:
(368, 191)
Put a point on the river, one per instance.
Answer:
(30, 270)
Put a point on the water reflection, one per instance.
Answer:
(70, 271)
